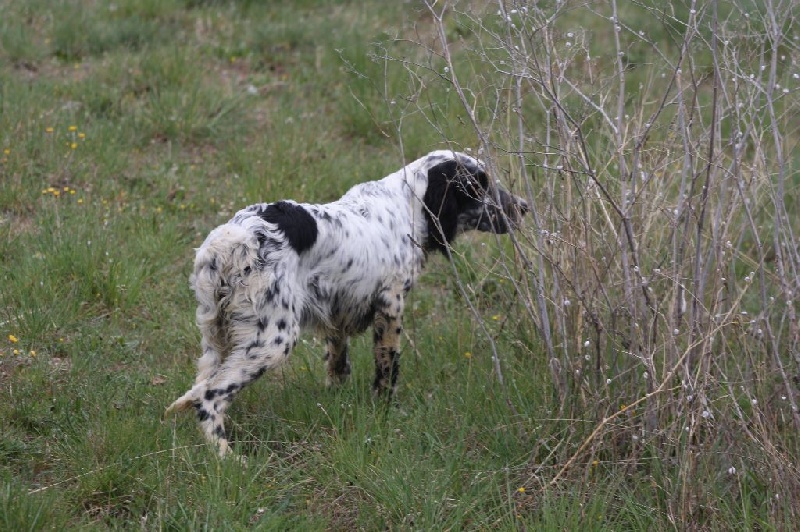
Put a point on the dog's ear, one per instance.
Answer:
(449, 187)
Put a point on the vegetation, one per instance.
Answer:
(627, 360)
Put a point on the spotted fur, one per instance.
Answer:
(276, 269)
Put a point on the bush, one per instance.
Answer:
(659, 265)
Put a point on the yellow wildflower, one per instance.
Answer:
(6, 151)
(81, 135)
(467, 355)
(521, 489)
(48, 129)
(73, 145)
(73, 128)
(13, 339)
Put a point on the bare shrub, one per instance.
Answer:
(656, 143)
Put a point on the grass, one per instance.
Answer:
(129, 129)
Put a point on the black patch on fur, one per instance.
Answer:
(452, 189)
(257, 343)
(296, 223)
(281, 324)
(347, 266)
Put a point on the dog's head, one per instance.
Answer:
(459, 198)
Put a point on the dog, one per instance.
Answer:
(277, 268)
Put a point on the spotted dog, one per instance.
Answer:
(278, 268)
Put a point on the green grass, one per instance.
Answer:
(131, 128)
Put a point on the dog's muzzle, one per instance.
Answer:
(497, 218)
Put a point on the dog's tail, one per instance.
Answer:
(220, 281)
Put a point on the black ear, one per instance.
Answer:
(450, 187)
(441, 206)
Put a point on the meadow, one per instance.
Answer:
(627, 360)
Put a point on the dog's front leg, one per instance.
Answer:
(387, 329)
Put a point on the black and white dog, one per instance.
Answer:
(278, 268)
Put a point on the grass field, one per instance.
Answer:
(129, 129)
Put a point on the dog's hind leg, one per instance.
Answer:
(211, 345)
(258, 345)
(338, 359)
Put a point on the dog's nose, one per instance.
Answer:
(522, 205)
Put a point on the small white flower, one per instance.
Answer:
(755, 402)
(587, 343)
(731, 470)
(570, 35)
(706, 414)
(446, 70)
(608, 381)
(567, 302)
(676, 332)
(645, 375)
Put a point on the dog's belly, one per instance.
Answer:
(339, 312)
